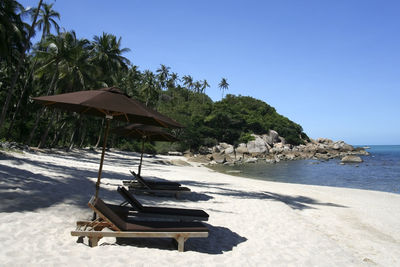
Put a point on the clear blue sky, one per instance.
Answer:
(331, 66)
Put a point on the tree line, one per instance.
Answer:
(60, 63)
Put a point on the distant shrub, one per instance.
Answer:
(246, 137)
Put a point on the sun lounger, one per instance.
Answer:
(137, 209)
(146, 188)
(140, 182)
(107, 218)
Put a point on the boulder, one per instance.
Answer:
(179, 162)
(199, 159)
(224, 145)
(271, 138)
(242, 149)
(324, 141)
(203, 150)
(251, 160)
(229, 150)
(257, 146)
(270, 161)
(175, 153)
(351, 159)
(218, 158)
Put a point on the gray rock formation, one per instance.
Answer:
(274, 148)
(351, 159)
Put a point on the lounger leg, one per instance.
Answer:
(93, 241)
(181, 242)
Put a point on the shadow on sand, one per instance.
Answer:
(219, 240)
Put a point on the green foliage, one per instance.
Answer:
(64, 63)
(246, 137)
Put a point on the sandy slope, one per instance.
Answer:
(254, 223)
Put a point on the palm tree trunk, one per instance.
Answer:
(20, 60)
(39, 114)
(58, 134)
(71, 140)
(20, 100)
(44, 136)
(77, 127)
(83, 135)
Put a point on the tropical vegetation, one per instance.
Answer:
(61, 62)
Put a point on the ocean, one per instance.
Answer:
(380, 171)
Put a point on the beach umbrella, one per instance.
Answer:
(109, 103)
(145, 133)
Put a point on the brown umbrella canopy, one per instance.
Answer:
(108, 101)
(145, 133)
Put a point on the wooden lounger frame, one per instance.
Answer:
(93, 230)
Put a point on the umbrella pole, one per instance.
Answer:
(102, 157)
(141, 157)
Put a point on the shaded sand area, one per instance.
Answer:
(252, 222)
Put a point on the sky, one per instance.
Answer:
(331, 66)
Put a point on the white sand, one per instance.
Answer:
(252, 223)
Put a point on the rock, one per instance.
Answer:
(271, 161)
(199, 159)
(188, 154)
(242, 149)
(324, 141)
(257, 146)
(179, 162)
(229, 150)
(271, 138)
(216, 149)
(218, 158)
(352, 159)
(321, 156)
(290, 156)
(282, 140)
(336, 146)
(234, 171)
(174, 153)
(224, 145)
(203, 150)
(251, 160)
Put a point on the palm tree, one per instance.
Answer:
(149, 88)
(163, 74)
(47, 19)
(173, 78)
(12, 31)
(197, 86)
(65, 59)
(204, 86)
(107, 53)
(223, 85)
(188, 81)
(10, 6)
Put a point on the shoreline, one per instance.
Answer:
(251, 221)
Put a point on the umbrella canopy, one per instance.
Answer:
(145, 133)
(109, 103)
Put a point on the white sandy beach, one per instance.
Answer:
(252, 222)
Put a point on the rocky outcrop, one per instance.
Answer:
(273, 148)
(351, 159)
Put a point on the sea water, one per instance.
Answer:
(379, 171)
